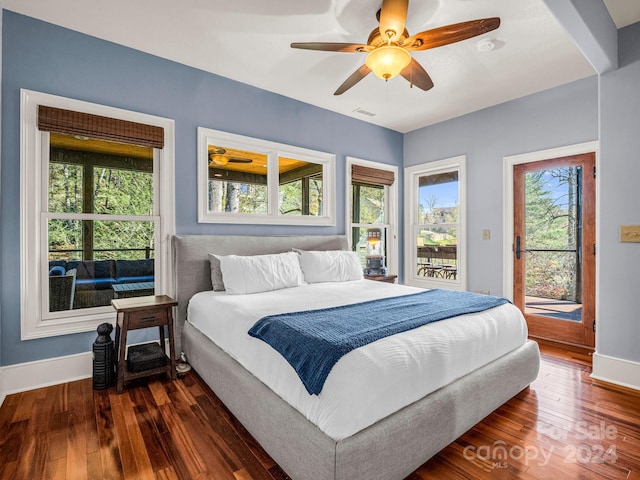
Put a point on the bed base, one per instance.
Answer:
(390, 449)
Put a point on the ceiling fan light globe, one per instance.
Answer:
(388, 61)
(219, 159)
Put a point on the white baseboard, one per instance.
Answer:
(616, 370)
(44, 373)
(53, 371)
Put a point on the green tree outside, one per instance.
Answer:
(551, 224)
(114, 192)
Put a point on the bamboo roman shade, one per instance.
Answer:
(371, 176)
(438, 179)
(51, 119)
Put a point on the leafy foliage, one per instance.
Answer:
(370, 199)
(292, 201)
(368, 202)
(114, 192)
(225, 196)
(551, 226)
(237, 197)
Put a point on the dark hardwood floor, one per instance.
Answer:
(565, 426)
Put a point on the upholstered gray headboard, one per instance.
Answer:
(191, 260)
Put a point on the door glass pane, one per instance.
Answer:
(553, 243)
(237, 181)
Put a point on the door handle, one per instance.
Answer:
(518, 250)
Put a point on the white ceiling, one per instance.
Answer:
(248, 41)
(623, 12)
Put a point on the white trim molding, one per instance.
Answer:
(616, 370)
(411, 202)
(44, 373)
(392, 263)
(36, 321)
(272, 151)
(22, 377)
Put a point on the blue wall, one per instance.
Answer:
(605, 109)
(47, 58)
(565, 115)
(618, 332)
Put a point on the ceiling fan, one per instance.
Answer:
(388, 47)
(218, 157)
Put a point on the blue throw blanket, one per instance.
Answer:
(313, 341)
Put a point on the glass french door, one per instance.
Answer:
(554, 247)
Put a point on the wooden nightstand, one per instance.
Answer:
(143, 312)
(382, 278)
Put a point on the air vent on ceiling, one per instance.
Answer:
(364, 112)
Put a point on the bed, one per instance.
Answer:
(389, 447)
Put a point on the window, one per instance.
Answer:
(435, 237)
(247, 180)
(99, 224)
(372, 200)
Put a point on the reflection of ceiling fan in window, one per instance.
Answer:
(218, 157)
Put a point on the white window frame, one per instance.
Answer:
(391, 213)
(273, 151)
(411, 176)
(36, 320)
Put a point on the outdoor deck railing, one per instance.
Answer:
(439, 261)
(147, 251)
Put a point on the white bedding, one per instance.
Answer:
(370, 382)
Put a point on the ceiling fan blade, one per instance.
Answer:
(416, 75)
(457, 32)
(393, 17)
(333, 47)
(355, 77)
(217, 161)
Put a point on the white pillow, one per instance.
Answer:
(260, 273)
(329, 266)
(216, 273)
